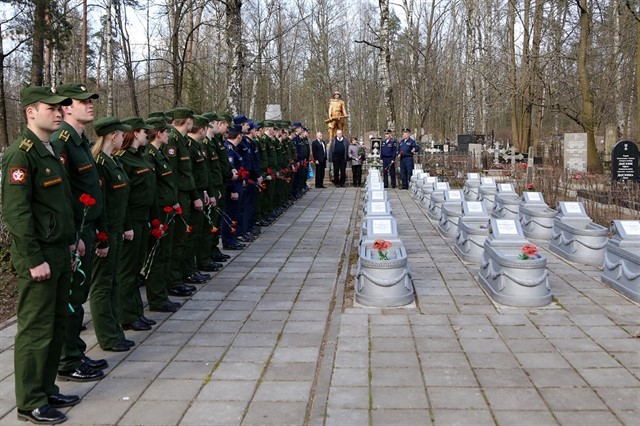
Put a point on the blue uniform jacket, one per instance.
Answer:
(236, 161)
(405, 147)
(389, 149)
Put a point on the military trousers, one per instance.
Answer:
(73, 347)
(232, 212)
(217, 220)
(406, 169)
(194, 240)
(42, 316)
(179, 240)
(130, 306)
(158, 281)
(389, 171)
(103, 296)
(249, 199)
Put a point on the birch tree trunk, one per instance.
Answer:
(126, 56)
(513, 73)
(109, 60)
(37, 47)
(83, 66)
(234, 44)
(385, 64)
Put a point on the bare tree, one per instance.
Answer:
(385, 61)
(233, 34)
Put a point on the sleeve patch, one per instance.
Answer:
(171, 151)
(18, 175)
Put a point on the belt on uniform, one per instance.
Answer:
(406, 156)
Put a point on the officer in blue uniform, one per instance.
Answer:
(388, 154)
(407, 147)
(298, 179)
(233, 195)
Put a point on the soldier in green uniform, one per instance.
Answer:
(220, 127)
(36, 200)
(214, 190)
(260, 212)
(142, 182)
(103, 297)
(190, 272)
(157, 282)
(177, 150)
(72, 145)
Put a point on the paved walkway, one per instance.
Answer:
(267, 341)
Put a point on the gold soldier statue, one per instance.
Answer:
(337, 114)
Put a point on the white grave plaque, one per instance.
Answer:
(442, 186)
(488, 181)
(475, 176)
(573, 208)
(377, 195)
(475, 207)
(378, 207)
(507, 227)
(381, 226)
(454, 195)
(631, 227)
(376, 186)
(505, 187)
(533, 196)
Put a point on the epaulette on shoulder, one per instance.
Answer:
(152, 152)
(119, 152)
(64, 135)
(26, 145)
(205, 141)
(100, 160)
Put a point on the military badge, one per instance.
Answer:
(84, 89)
(63, 159)
(171, 151)
(18, 175)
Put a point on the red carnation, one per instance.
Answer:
(214, 230)
(189, 229)
(156, 233)
(234, 223)
(233, 230)
(102, 237)
(155, 223)
(179, 211)
(167, 209)
(87, 200)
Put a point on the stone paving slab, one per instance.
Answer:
(268, 341)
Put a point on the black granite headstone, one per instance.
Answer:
(624, 161)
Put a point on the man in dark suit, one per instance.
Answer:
(338, 155)
(319, 152)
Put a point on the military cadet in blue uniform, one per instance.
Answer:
(406, 148)
(72, 144)
(233, 192)
(37, 209)
(388, 154)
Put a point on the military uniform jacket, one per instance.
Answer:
(306, 149)
(225, 166)
(36, 199)
(142, 181)
(389, 149)
(177, 150)
(75, 155)
(297, 141)
(166, 188)
(272, 153)
(236, 161)
(405, 147)
(214, 166)
(199, 165)
(282, 151)
(245, 149)
(263, 157)
(115, 188)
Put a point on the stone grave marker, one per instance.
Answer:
(624, 162)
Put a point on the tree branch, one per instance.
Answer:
(368, 44)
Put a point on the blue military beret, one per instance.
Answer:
(239, 119)
(237, 127)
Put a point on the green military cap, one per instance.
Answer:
(180, 113)
(211, 116)
(45, 94)
(105, 125)
(267, 123)
(223, 116)
(76, 91)
(137, 123)
(157, 114)
(200, 121)
(157, 123)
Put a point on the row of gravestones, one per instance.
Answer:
(491, 224)
(383, 278)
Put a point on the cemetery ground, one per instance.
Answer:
(274, 339)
